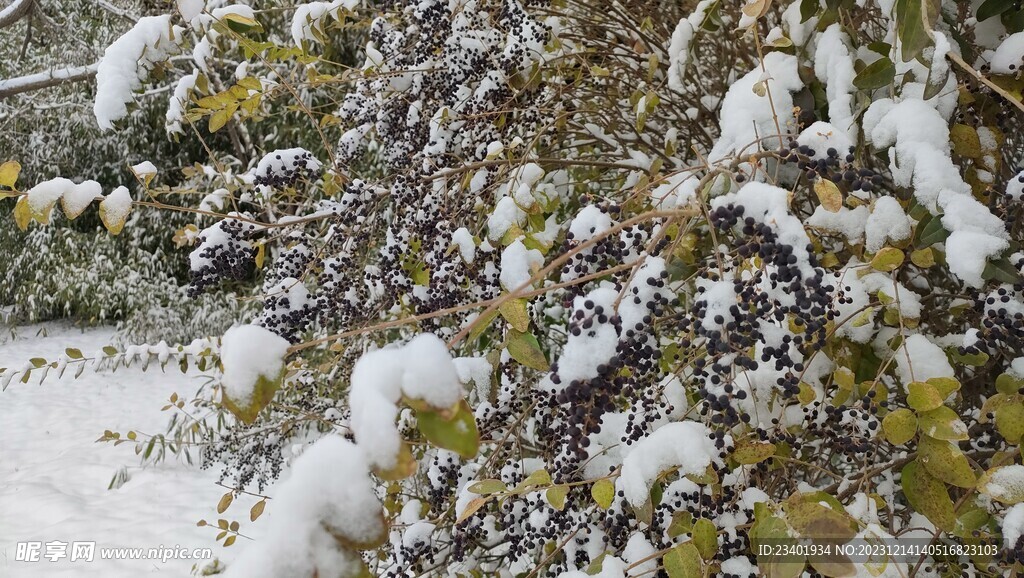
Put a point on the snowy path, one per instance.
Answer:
(54, 477)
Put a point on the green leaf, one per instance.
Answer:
(240, 23)
(488, 487)
(990, 8)
(928, 496)
(819, 522)
(458, 433)
(965, 141)
(887, 259)
(556, 496)
(705, 538)
(923, 258)
(537, 478)
(911, 28)
(73, 353)
(808, 8)
(1001, 270)
(1008, 384)
(524, 348)
(682, 523)
(923, 396)
(1010, 422)
(946, 462)
(262, 394)
(931, 231)
(515, 312)
(943, 423)
(753, 452)
(944, 385)
(683, 561)
(481, 324)
(899, 426)
(876, 75)
(603, 492)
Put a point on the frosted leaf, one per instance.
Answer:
(249, 352)
(420, 370)
(114, 209)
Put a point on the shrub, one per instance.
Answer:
(589, 294)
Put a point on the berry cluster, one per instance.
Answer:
(223, 251)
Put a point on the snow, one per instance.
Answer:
(1013, 525)
(584, 352)
(1009, 57)
(249, 352)
(54, 477)
(327, 498)
(822, 136)
(117, 205)
(676, 191)
(641, 555)
(506, 213)
(833, 65)
(887, 222)
(848, 222)
(611, 567)
(179, 102)
(919, 158)
(590, 222)
(518, 264)
(42, 197)
(77, 198)
(124, 63)
(684, 445)
(190, 9)
(1005, 482)
(421, 370)
(746, 116)
(679, 45)
(144, 169)
(918, 359)
(463, 239)
(311, 16)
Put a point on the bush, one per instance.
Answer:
(582, 293)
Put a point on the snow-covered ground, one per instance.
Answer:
(54, 477)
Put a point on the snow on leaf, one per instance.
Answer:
(114, 209)
(253, 360)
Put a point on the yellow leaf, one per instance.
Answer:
(114, 209)
(471, 508)
(828, 195)
(218, 120)
(9, 173)
(887, 259)
(22, 214)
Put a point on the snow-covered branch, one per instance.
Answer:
(28, 83)
(15, 11)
